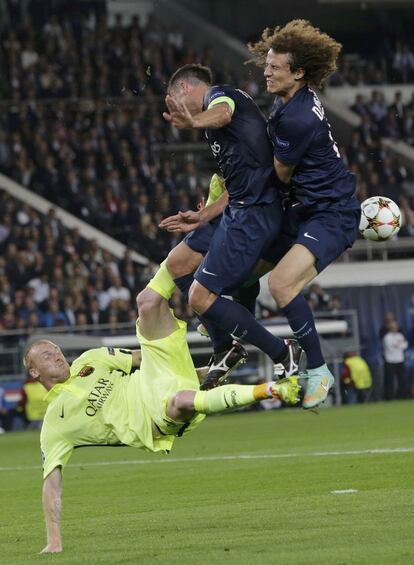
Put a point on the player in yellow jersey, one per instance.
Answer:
(143, 398)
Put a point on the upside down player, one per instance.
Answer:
(103, 398)
(236, 132)
(323, 217)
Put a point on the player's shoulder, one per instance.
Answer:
(305, 108)
(96, 355)
(219, 91)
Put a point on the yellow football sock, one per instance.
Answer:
(229, 396)
(215, 190)
(162, 282)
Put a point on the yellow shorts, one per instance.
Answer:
(166, 368)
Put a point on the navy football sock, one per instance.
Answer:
(221, 339)
(239, 322)
(301, 321)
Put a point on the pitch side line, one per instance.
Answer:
(246, 457)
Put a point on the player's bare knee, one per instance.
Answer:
(196, 298)
(174, 265)
(182, 403)
(147, 300)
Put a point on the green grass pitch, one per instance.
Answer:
(245, 488)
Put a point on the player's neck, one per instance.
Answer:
(292, 91)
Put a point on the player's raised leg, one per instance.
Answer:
(154, 317)
(295, 270)
(185, 403)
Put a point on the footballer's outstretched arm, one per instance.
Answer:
(52, 509)
(190, 220)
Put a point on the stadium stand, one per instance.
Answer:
(81, 126)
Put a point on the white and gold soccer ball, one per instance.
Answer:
(380, 218)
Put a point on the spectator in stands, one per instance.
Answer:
(408, 216)
(33, 404)
(320, 299)
(359, 106)
(403, 63)
(377, 107)
(4, 419)
(357, 379)
(389, 318)
(394, 345)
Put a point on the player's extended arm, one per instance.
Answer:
(284, 172)
(179, 116)
(52, 509)
(190, 220)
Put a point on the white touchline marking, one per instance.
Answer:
(241, 457)
(345, 491)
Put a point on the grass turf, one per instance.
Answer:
(244, 488)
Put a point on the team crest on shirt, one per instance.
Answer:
(86, 371)
(282, 142)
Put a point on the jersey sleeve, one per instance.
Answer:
(56, 449)
(218, 95)
(292, 139)
(112, 358)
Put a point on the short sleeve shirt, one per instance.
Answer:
(242, 148)
(301, 136)
(97, 405)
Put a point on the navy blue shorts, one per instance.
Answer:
(199, 239)
(240, 240)
(327, 234)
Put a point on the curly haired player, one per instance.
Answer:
(323, 216)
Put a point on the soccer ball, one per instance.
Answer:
(380, 218)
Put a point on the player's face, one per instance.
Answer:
(49, 363)
(280, 79)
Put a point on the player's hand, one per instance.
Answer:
(52, 548)
(183, 222)
(178, 114)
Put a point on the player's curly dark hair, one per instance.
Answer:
(310, 49)
(190, 73)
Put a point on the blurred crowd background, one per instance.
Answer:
(81, 125)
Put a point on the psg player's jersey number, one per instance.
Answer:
(318, 110)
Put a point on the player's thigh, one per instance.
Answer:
(155, 320)
(328, 234)
(237, 245)
(294, 271)
(182, 260)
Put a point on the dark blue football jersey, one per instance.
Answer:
(301, 136)
(243, 150)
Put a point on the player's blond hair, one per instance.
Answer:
(310, 49)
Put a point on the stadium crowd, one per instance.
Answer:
(51, 276)
(84, 130)
(393, 63)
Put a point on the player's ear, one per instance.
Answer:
(34, 373)
(299, 74)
